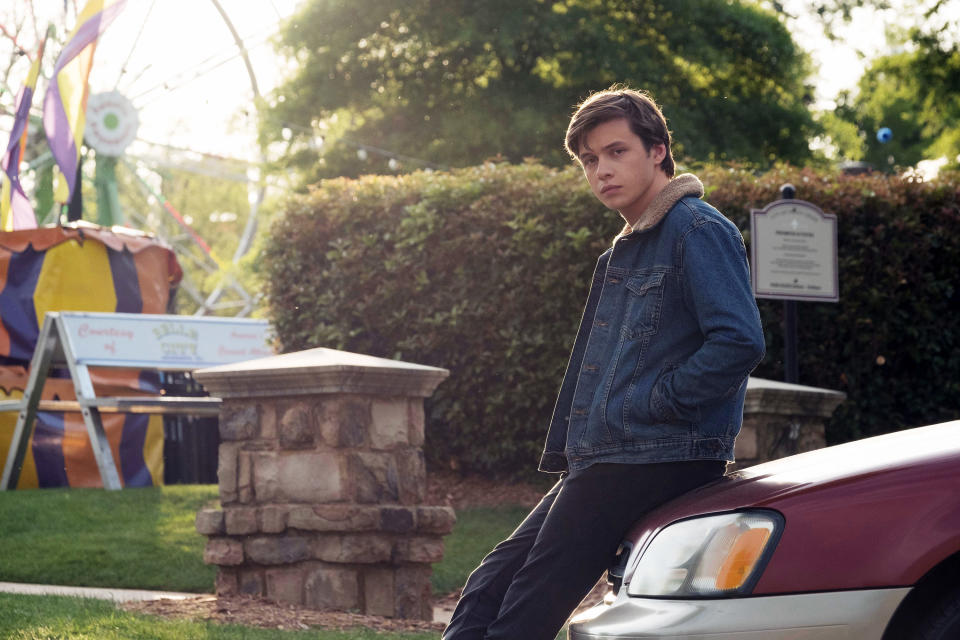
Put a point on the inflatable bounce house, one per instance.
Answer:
(81, 267)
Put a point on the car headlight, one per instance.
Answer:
(707, 556)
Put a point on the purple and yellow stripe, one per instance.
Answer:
(65, 104)
(16, 212)
(85, 268)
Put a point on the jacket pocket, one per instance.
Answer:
(645, 299)
(659, 409)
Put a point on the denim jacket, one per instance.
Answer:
(669, 335)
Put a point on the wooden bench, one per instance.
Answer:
(77, 341)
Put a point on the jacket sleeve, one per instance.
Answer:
(717, 291)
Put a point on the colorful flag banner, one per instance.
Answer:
(16, 212)
(65, 104)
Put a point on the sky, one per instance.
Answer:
(178, 63)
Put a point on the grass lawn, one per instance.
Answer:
(145, 538)
(53, 617)
(134, 539)
(475, 534)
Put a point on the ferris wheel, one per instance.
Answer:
(173, 89)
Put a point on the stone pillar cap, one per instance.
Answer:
(771, 396)
(320, 371)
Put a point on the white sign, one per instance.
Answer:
(164, 342)
(794, 250)
(112, 123)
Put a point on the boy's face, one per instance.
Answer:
(622, 173)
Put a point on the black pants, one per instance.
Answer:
(527, 586)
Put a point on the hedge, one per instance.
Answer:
(485, 271)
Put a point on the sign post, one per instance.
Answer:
(794, 252)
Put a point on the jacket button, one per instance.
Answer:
(579, 412)
(601, 323)
(614, 280)
(592, 367)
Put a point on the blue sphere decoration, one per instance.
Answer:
(884, 135)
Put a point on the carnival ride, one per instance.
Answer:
(129, 261)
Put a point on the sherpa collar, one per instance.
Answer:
(682, 186)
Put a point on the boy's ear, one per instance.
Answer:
(659, 152)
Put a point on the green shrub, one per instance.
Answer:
(892, 343)
(485, 271)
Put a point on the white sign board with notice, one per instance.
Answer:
(794, 250)
(162, 341)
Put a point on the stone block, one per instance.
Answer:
(273, 518)
(412, 598)
(398, 519)
(223, 552)
(296, 427)
(778, 436)
(438, 520)
(326, 414)
(335, 588)
(209, 522)
(226, 583)
(275, 550)
(297, 476)
(745, 446)
(251, 582)
(389, 423)
(240, 520)
(355, 548)
(378, 596)
(412, 473)
(227, 471)
(375, 477)
(333, 517)
(268, 420)
(239, 421)
(285, 585)
(416, 421)
(326, 547)
(244, 477)
(419, 549)
(355, 421)
(366, 548)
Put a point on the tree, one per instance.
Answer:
(914, 91)
(452, 83)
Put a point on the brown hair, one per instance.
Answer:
(639, 110)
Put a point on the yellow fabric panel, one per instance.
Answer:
(75, 278)
(8, 422)
(4, 268)
(153, 449)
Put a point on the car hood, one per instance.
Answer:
(912, 451)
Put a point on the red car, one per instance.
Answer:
(858, 541)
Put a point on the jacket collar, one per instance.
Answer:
(680, 187)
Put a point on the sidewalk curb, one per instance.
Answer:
(99, 593)
(440, 614)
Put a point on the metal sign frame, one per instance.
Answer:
(833, 266)
(56, 346)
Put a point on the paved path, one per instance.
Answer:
(440, 613)
(117, 595)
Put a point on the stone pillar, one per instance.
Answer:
(780, 419)
(322, 483)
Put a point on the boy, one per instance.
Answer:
(652, 398)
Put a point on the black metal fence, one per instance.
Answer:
(190, 443)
